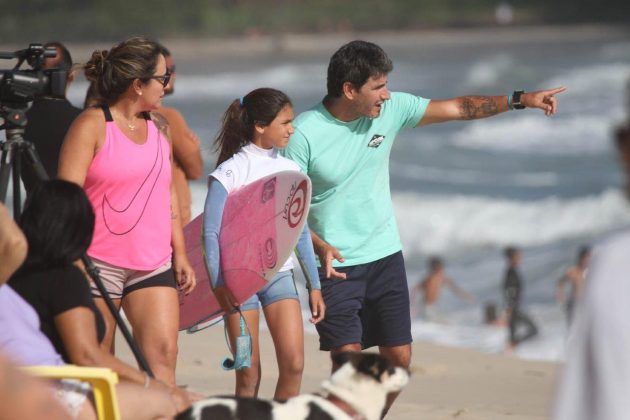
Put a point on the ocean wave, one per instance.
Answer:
(292, 78)
(474, 177)
(302, 79)
(575, 135)
(431, 224)
(600, 79)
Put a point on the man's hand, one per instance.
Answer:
(542, 99)
(326, 254)
(318, 307)
(226, 299)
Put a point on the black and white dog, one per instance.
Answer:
(357, 390)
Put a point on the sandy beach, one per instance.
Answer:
(446, 383)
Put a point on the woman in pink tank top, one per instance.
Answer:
(121, 154)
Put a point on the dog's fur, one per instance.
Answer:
(357, 390)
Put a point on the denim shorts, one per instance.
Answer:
(281, 286)
(370, 307)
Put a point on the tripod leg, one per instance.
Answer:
(35, 162)
(5, 171)
(17, 188)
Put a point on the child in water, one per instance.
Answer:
(254, 128)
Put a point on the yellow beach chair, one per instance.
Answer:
(103, 383)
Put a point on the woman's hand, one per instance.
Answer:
(184, 273)
(226, 299)
(318, 307)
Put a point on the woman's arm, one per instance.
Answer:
(13, 245)
(76, 327)
(85, 136)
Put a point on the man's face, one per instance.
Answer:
(371, 96)
(170, 67)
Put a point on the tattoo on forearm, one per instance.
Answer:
(473, 107)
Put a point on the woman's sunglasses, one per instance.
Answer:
(164, 79)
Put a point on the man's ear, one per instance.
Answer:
(349, 91)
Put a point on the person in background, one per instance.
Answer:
(574, 277)
(513, 293)
(48, 120)
(120, 153)
(187, 161)
(431, 287)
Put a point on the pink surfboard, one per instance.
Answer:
(261, 225)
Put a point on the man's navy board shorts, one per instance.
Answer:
(370, 307)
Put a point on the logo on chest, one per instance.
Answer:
(376, 141)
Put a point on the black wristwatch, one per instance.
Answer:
(516, 99)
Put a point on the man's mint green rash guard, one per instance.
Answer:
(348, 163)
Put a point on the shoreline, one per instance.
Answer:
(204, 48)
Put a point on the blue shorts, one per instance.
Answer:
(281, 286)
(370, 307)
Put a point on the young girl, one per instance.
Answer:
(254, 128)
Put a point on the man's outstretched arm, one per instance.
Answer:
(475, 107)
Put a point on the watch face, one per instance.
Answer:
(516, 99)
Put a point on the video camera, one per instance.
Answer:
(20, 86)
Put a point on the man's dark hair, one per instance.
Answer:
(63, 59)
(510, 251)
(356, 62)
(583, 252)
(435, 263)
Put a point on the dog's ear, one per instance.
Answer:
(374, 365)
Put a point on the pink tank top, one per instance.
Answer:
(128, 185)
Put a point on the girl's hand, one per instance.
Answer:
(318, 307)
(226, 299)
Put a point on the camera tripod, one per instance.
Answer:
(13, 149)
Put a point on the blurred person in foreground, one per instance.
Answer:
(187, 161)
(21, 397)
(48, 316)
(595, 380)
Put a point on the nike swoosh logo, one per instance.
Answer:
(124, 220)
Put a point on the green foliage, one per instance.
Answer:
(97, 20)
